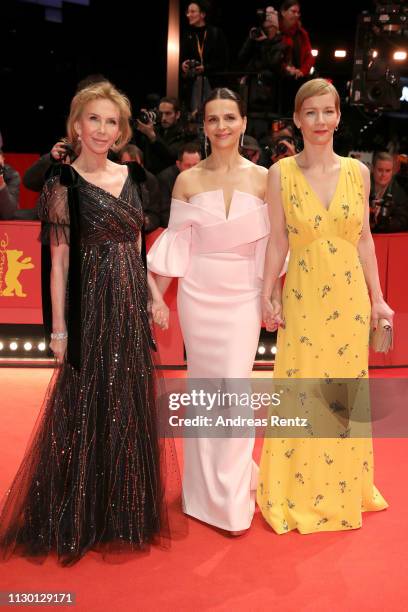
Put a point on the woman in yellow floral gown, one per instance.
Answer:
(319, 210)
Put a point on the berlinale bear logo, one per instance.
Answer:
(15, 266)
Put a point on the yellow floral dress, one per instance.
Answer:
(321, 484)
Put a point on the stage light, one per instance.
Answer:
(400, 56)
(13, 346)
(315, 52)
(375, 53)
(1, 346)
(340, 53)
(28, 346)
(41, 346)
(274, 350)
(261, 349)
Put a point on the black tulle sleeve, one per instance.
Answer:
(53, 211)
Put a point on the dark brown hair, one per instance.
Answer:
(223, 93)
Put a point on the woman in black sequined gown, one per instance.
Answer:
(91, 477)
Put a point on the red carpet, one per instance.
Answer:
(363, 570)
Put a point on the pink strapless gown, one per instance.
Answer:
(219, 262)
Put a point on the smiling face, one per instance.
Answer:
(194, 15)
(223, 123)
(98, 126)
(317, 119)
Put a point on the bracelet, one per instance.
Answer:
(59, 336)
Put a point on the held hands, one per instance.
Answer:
(381, 310)
(272, 314)
(160, 313)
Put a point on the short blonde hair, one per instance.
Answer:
(382, 156)
(100, 91)
(316, 87)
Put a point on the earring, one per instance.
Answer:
(206, 145)
(336, 128)
(241, 142)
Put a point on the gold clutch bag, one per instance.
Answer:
(381, 339)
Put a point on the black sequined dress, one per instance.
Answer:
(92, 474)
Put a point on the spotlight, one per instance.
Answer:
(315, 52)
(340, 53)
(1, 346)
(375, 53)
(400, 56)
(261, 349)
(274, 350)
(28, 346)
(13, 346)
(41, 346)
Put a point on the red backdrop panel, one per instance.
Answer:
(20, 288)
(20, 272)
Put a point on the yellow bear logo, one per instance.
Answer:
(14, 268)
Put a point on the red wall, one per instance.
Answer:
(21, 237)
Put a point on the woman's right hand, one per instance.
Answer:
(272, 314)
(59, 348)
(160, 313)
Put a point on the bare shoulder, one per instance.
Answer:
(274, 172)
(185, 181)
(364, 170)
(260, 171)
(117, 169)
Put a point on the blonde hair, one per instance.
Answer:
(100, 91)
(382, 156)
(316, 87)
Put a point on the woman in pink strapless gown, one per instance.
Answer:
(217, 251)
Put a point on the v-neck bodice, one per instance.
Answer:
(306, 217)
(310, 188)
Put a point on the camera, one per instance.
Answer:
(385, 205)
(192, 65)
(148, 116)
(68, 152)
(280, 147)
(257, 31)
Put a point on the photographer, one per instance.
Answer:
(250, 149)
(48, 165)
(263, 53)
(203, 50)
(9, 190)
(388, 201)
(281, 143)
(160, 135)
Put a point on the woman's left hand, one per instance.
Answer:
(160, 313)
(381, 310)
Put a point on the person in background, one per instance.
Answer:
(189, 156)
(203, 50)
(149, 190)
(160, 141)
(251, 149)
(262, 53)
(299, 59)
(9, 189)
(388, 201)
